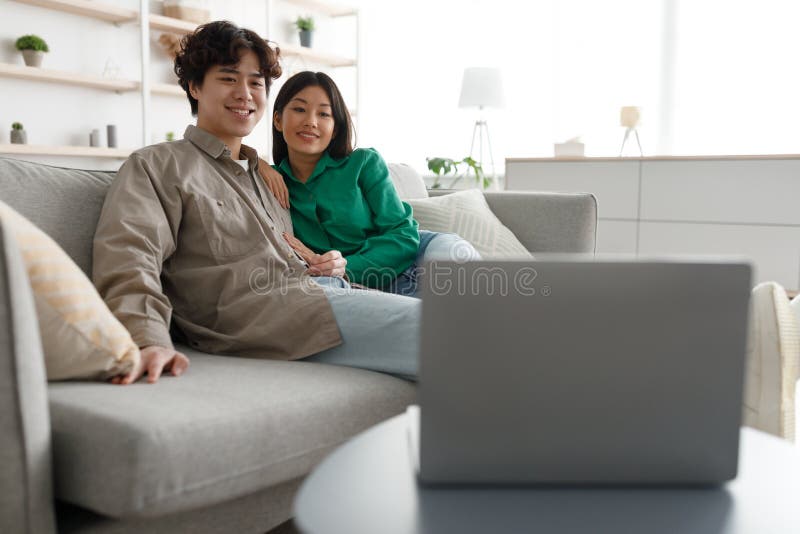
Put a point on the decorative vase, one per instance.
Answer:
(33, 58)
(19, 137)
(306, 37)
(111, 135)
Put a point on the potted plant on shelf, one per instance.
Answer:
(447, 166)
(33, 48)
(306, 27)
(18, 135)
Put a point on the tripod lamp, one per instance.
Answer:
(481, 88)
(630, 117)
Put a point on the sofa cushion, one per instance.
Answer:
(467, 214)
(65, 203)
(407, 181)
(80, 336)
(226, 428)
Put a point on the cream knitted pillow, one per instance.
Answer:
(80, 336)
(467, 214)
(773, 354)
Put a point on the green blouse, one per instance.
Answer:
(352, 206)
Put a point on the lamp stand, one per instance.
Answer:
(479, 132)
(625, 139)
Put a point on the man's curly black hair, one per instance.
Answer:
(221, 43)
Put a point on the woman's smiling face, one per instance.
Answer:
(307, 122)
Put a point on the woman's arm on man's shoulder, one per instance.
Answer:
(275, 183)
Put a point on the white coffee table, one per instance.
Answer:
(368, 486)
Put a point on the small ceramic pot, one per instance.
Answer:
(19, 137)
(33, 58)
(306, 37)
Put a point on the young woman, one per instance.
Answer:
(343, 199)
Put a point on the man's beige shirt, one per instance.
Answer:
(187, 236)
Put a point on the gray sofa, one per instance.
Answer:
(221, 449)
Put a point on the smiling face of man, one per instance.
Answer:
(231, 100)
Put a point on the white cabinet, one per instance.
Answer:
(615, 186)
(745, 206)
(615, 236)
(741, 191)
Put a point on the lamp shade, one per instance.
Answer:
(481, 87)
(629, 116)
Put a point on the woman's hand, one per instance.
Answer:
(332, 263)
(275, 183)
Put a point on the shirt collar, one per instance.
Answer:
(211, 145)
(324, 162)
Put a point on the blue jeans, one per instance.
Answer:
(380, 331)
(432, 246)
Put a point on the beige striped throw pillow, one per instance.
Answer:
(773, 351)
(80, 336)
(467, 214)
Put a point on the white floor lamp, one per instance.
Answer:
(481, 88)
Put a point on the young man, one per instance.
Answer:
(190, 239)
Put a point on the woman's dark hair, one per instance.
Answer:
(221, 43)
(342, 142)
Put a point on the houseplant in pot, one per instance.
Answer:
(18, 135)
(306, 27)
(33, 48)
(447, 166)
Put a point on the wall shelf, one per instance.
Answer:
(111, 13)
(326, 8)
(107, 11)
(86, 8)
(169, 24)
(311, 55)
(167, 89)
(74, 151)
(23, 72)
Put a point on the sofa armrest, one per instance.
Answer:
(546, 222)
(26, 505)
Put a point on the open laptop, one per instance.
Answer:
(582, 371)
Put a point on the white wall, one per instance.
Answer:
(559, 81)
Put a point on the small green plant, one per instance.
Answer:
(16, 126)
(305, 23)
(447, 166)
(170, 136)
(31, 42)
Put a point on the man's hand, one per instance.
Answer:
(329, 264)
(155, 360)
(275, 183)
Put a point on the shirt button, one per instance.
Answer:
(219, 203)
